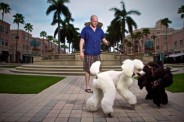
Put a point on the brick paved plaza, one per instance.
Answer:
(65, 102)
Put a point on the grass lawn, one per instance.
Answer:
(26, 84)
(178, 83)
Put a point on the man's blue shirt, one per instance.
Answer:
(92, 40)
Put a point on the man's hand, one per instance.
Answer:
(107, 43)
(82, 55)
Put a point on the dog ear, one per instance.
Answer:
(128, 68)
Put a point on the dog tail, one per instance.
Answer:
(95, 68)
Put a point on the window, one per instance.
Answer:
(157, 41)
(6, 30)
(157, 47)
(1, 28)
(25, 38)
(13, 36)
(2, 42)
(6, 43)
(175, 43)
(165, 39)
(25, 46)
(181, 42)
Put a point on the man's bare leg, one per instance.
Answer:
(87, 79)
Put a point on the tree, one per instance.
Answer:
(18, 19)
(49, 39)
(138, 36)
(114, 36)
(181, 11)
(58, 7)
(123, 19)
(28, 27)
(145, 33)
(67, 32)
(5, 8)
(166, 22)
(43, 34)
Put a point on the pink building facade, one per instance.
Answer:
(167, 42)
(4, 41)
(20, 41)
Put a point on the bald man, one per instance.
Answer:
(90, 47)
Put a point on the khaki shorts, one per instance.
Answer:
(88, 60)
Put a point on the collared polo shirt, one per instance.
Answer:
(92, 40)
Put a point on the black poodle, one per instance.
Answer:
(155, 79)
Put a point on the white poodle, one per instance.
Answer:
(106, 83)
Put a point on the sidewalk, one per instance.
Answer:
(65, 102)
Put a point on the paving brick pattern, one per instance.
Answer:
(65, 101)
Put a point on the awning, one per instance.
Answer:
(176, 55)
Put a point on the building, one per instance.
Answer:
(162, 42)
(20, 43)
(178, 41)
(4, 41)
(16, 46)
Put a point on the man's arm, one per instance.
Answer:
(105, 41)
(81, 45)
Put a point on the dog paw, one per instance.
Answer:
(109, 115)
(133, 106)
(158, 105)
(92, 108)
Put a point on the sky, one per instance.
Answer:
(34, 12)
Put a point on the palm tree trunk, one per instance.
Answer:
(64, 47)
(59, 35)
(16, 45)
(183, 29)
(43, 46)
(2, 15)
(27, 42)
(166, 42)
(123, 34)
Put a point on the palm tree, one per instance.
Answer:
(166, 22)
(114, 36)
(67, 31)
(138, 36)
(18, 19)
(181, 11)
(123, 19)
(5, 8)
(43, 34)
(58, 7)
(28, 27)
(145, 33)
(49, 39)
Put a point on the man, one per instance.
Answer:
(90, 47)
